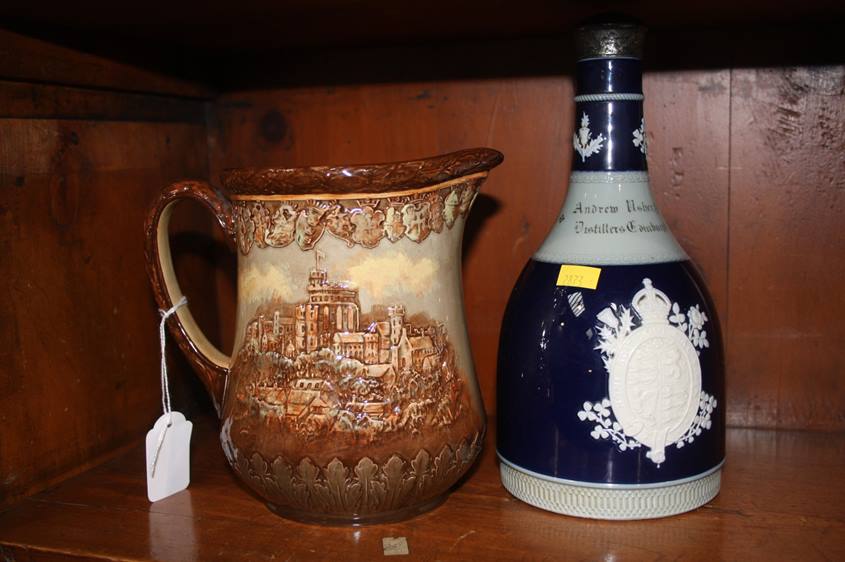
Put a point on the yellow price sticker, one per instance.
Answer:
(578, 276)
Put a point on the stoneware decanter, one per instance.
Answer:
(610, 374)
(351, 395)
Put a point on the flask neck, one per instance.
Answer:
(609, 216)
(609, 127)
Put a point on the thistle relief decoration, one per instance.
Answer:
(585, 144)
(651, 353)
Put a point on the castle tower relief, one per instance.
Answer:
(325, 370)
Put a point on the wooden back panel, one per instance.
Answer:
(79, 358)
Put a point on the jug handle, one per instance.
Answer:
(211, 364)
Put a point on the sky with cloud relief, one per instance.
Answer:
(393, 273)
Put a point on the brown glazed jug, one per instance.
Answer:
(351, 395)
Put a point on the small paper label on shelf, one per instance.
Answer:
(582, 276)
(168, 456)
(395, 546)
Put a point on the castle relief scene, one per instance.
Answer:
(326, 365)
(348, 345)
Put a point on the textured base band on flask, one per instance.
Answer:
(606, 502)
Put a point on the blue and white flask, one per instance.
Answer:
(611, 372)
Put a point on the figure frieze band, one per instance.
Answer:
(366, 222)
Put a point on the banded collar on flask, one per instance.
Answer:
(609, 127)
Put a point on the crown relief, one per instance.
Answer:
(652, 305)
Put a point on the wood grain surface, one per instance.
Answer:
(778, 502)
(79, 363)
(787, 248)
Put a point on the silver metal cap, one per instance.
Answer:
(610, 40)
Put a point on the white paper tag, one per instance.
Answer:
(168, 456)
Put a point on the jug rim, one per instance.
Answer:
(378, 178)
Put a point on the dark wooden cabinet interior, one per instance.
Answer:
(745, 105)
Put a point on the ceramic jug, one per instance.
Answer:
(351, 394)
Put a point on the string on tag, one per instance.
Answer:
(165, 383)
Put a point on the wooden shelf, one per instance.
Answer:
(782, 498)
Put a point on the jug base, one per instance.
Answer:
(356, 520)
(621, 503)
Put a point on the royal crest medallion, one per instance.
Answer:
(654, 375)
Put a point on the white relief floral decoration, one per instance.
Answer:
(640, 139)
